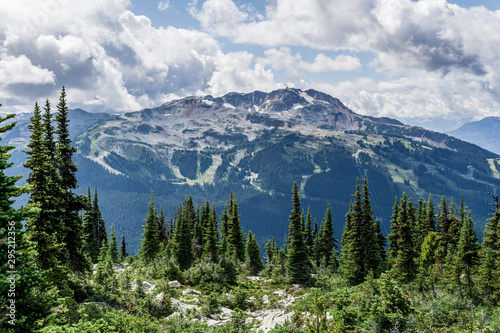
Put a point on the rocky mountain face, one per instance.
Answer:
(258, 144)
(483, 133)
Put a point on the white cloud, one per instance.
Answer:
(20, 70)
(163, 5)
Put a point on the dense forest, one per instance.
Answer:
(63, 272)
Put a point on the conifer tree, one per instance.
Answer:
(466, 257)
(44, 227)
(431, 222)
(404, 265)
(123, 249)
(113, 246)
(392, 238)
(98, 222)
(211, 237)
(381, 240)
(150, 245)
(326, 239)
(316, 249)
(235, 241)
(443, 227)
(309, 230)
(183, 249)
(89, 234)
(253, 260)
(297, 254)
(271, 252)
(71, 203)
(372, 253)
(224, 222)
(33, 297)
(490, 258)
(420, 228)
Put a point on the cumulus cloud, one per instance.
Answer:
(163, 5)
(111, 59)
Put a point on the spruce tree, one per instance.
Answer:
(224, 222)
(490, 258)
(431, 222)
(297, 254)
(98, 221)
(309, 230)
(89, 235)
(33, 298)
(150, 244)
(253, 260)
(392, 238)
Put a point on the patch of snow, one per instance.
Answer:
(297, 106)
(229, 106)
(206, 101)
(306, 97)
(100, 160)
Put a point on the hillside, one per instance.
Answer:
(258, 144)
(483, 133)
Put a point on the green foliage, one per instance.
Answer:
(209, 275)
(113, 246)
(151, 236)
(254, 262)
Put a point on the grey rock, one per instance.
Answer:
(192, 292)
(174, 284)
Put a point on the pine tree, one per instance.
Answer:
(150, 245)
(113, 246)
(430, 221)
(33, 297)
(297, 254)
(309, 230)
(253, 260)
(98, 221)
(392, 238)
(271, 252)
(421, 229)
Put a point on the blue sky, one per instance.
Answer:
(432, 63)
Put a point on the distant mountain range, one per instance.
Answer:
(256, 145)
(484, 133)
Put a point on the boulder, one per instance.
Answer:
(174, 284)
(192, 292)
(273, 318)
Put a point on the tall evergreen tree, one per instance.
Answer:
(211, 237)
(309, 230)
(98, 222)
(183, 249)
(297, 254)
(150, 245)
(431, 222)
(392, 238)
(89, 231)
(404, 266)
(71, 203)
(490, 258)
(33, 299)
(224, 222)
(253, 260)
(123, 249)
(44, 227)
(235, 241)
(113, 246)
(326, 239)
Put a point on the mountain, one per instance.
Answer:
(483, 133)
(257, 144)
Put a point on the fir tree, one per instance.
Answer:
(235, 242)
(123, 249)
(253, 260)
(183, 249)
(309, 230)
(297, 258)
(89, 234)
(224, 221)
(71, 203)
(392, 238)
(326, 239)
(44, 227)
(430, 221)
(113, 246)
(150, 245)
(404, 265)
(33, 297)
(99, 224)
(211, 237)
(271, 252)
(490, 258)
